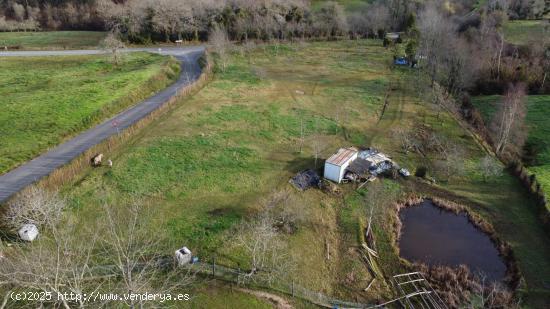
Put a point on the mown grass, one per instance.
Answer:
(538, 107)
(523, 32)
(51, 39)
(47, 99)
(212, 161)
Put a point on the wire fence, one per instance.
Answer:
(258, 280)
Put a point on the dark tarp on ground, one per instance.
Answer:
(359, 167)
(305, 180)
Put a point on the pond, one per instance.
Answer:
(435, 236)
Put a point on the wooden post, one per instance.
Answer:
(213, 266)
(292, 288)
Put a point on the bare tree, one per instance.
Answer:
(435, 32)
(136, 255)
(406, 139)
(508, 122)
(317, 146)
(112, 44)
(330, 20)
(219, 40)
(489, 167)
(451, 163)
(171, 17)
(378, 18)
(59, 263)
(34, 205)
(71, 258)
(263, 243)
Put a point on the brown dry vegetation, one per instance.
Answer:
(457, 285)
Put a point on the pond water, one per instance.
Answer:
(439, 237)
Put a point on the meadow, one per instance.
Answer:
(213, 161)
(538, 107)
(349, 5)
(49, 40)
(46, 100)
(522, 32)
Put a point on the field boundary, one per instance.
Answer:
(68, 167)
(67, 173)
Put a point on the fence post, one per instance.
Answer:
(292, 288)
(213, 266)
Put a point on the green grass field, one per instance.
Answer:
(51, 39)
(349, 5)
(211, 162)
(522, 32)
(47, 99)
(539, 130)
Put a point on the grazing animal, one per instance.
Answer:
(110, 163)
(96, 160)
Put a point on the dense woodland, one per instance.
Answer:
(157, 19)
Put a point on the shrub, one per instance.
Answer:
(421, 171)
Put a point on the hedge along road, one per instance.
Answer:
(41, 166)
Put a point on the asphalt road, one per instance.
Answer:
(41, 166)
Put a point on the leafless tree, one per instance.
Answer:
(116, 255)
(451, 163)
(317, 146)
(378, 18)
(18, 11)
(435, 32)
(112, 44)
(489, 167)
(34, 205)
(406, 139)
(59, 263)
(263, 243)
(330, 20)
(136, 256)
(171, 17)
(219, 40)
(376, 200)
(508, 123)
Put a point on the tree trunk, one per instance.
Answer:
(501, 36)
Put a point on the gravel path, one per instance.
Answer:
(41, 166)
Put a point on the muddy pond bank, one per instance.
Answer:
(436, 236)
(449, 244)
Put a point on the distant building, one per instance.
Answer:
(336, 165)
(394, 36)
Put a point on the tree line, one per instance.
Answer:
(157, 20)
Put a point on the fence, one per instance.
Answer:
(261, 281)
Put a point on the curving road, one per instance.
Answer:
(41, 166)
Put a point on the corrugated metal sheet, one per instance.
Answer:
(342, 156)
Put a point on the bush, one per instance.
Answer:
(421, 171)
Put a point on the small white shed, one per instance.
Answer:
(28, 232)
(335, 166)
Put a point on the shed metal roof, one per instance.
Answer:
(342, 156)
